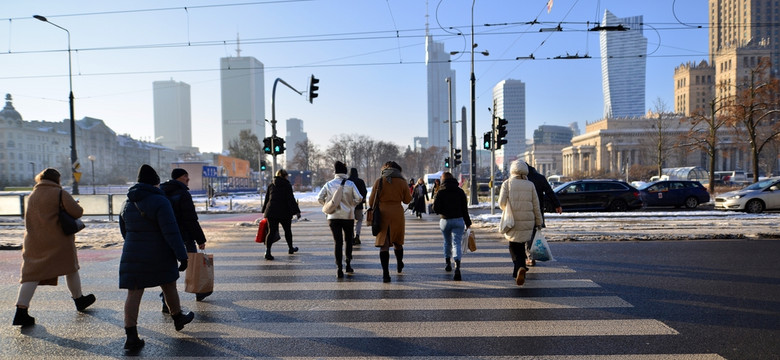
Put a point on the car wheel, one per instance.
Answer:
(618, 205)
(691, 202)
(754, 206)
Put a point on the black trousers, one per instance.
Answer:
(343, 233)
(273, 230)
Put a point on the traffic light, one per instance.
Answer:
(487, 140)
(267, 145)
(278, 145)
(457, 161)
(447, 162)
(313, 88)
(500, 132)
(263, 165)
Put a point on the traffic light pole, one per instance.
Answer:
(273, 120)
(449, 122)
(493, 164)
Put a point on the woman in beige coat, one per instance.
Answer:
(47, 252)
(392, 190)
(520, 193)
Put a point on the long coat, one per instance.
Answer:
(391, 196)
(419, 197)
(47, 252)
(520, 193)
(152, 240)
(184, 210)
(280, 200)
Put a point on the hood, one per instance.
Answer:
(449, 184)
(170, 186)
(518, 168)
(141, 191)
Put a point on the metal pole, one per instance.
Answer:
(472, 173)
(493, 161)
(273, 120)
(449, 112)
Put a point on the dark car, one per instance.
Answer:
(675, 193)
(590, 195)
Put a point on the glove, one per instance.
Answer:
(182, 265)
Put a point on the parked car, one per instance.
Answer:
(760, 196)
(590, 195)
(675, 193)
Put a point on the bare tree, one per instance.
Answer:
(307, 155)
(703, 133)
(662, 139)
(246, 147)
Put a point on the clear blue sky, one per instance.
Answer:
(372, 81)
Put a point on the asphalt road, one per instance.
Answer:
(702, 299)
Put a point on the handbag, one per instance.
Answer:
(335, 202)
(199, 276)
(472, 241)
(507, 217)
(262, 231)
(69, 224)
(540, 249)
(374, 214)
(468, 242)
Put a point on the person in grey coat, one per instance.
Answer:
(152, 247)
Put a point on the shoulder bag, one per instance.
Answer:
(335, 202)
(507, 217)
(373, 215)
(69, 224)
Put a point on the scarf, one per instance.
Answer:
(392, 173)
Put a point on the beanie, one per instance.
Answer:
(340, 167)
(147, 175)
(177, 173)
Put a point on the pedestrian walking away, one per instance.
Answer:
(518, 196)
(279, 207)
(546, 196)
(361, 186)
(47, 252)
(149, 257)
(419, 198)
(342, 220)
(451, 205)
(389, 193)
(177, 191)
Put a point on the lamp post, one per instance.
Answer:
(73, 156)
(92, 160)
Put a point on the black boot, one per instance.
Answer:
(356, 240)
(349, 267)
(181, 319)
(133, 342)
(164, 305)
(384, 258)
(268, 254)
(457, 271)
(399, 255)
(22, 318)
(449, 265)
(84, 302)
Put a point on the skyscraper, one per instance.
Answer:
(437, 63)
(295, 135)
(623, 67)
(243, 97)
(509, 100)
(172, 114)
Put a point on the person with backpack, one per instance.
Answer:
(340, 196)
(177, 191)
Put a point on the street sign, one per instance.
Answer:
(209, 171)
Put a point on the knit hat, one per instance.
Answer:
(147, 175)
(340, 167)
(177, 173)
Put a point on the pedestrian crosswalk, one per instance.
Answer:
(295, 307)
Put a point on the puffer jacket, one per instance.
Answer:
(152, 241)
(350, 197)
(184, 210)
(520, 193)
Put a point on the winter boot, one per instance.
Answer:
(165, 309)
(356, 240)
(181, 319)
(384, 258)
(449, 265)
(399, 255)
(22, 318)
(457, 271)
(133, 343)
(84, 302)
(349, 267)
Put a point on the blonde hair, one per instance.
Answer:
(281, 173)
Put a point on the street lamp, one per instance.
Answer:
(73, 157)
(92, 160)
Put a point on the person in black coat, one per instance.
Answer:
(451, 205)
(546, 197)
(150, 252)
(279, 208)
(361, 186)
(419, 198)
(184, 209)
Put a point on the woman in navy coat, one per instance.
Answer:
(152, 247)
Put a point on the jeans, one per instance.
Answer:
(452, 229)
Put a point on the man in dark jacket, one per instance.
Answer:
(451, 205)
(178, 194)
(361, 186)
(546, 198)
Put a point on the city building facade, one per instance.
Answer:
(693, 87)
(509, 103)
(172, 114)
(295, 136)
(544, 152)
(242, 82)
(623, 66)
(437, 66)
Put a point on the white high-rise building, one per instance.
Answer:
(172, 114)
(243, 97)
(509, 99)
(623, 67)
(437, 64)
(295, 136)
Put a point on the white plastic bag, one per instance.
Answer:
(507, 219)
(540, 249)
(464, 241)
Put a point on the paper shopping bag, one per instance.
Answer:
(199, 276)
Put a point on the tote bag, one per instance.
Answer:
(507, 218)
(199, 276)
(69, 224)
(262, 231)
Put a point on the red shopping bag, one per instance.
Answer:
(262, 231)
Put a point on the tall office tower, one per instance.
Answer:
(742, 32)
(509, 99)
(693, 84)
(437, 63)
(623, 67)
(243, 97)
(172, 114)
(295, 135)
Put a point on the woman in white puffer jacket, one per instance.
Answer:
(520, 193)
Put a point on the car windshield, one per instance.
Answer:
(761, 184)
(645, 186)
